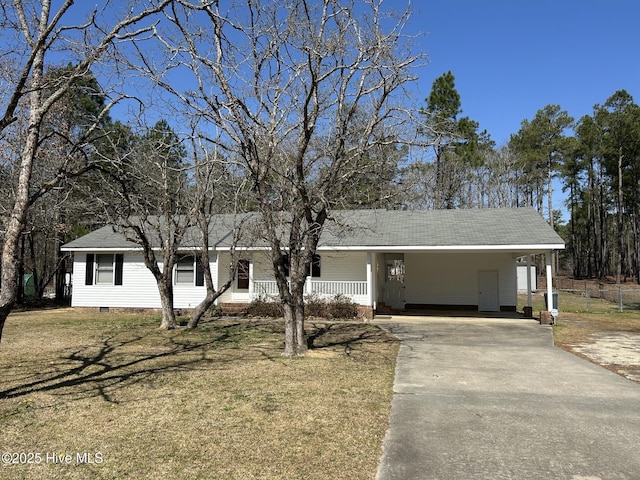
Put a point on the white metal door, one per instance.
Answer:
(394, 295)
(488, 295)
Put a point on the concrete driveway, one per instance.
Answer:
(481, 398)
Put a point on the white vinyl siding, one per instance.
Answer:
(446, 278)
(343, 266)
(138, 290)
(452, 278)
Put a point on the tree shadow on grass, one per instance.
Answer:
(112, 366)
(346, 335)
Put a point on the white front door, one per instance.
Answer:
(488, 295)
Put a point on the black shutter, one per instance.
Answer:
(199, 272)
(88, 274)
(118, 272)
(315, 266)
(286, 263)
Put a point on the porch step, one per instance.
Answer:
(384, 309)
(233, 309)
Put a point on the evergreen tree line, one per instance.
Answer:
(450, 164)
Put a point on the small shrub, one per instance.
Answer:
(214, 311)
(338, 307)
(265, 307)
(342, 306)
(314, 306)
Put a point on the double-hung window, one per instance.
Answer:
(189, 271)
(185, 269)
(104, 269)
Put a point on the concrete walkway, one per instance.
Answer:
(493, 399)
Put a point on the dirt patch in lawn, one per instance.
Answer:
(595, 329)
(611, 340)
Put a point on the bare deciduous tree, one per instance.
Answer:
(35, 34)
(169, 197)
(281, 87)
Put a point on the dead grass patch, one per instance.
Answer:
(216, 402)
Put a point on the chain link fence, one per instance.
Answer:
(594, 294)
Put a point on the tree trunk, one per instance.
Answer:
(203, 260)
(295, 344)
(202, 308)
(620, 222)
(16, 223)
(604, 261)
(636, 252)
(212, 294)
(550, 206)
(4, 313)
(166, 299)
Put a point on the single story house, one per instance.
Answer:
(439, 259)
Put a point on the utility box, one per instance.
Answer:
(555, 300)
(554, 307)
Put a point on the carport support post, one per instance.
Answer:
(549, 281)
(528, 280)
(371, 278)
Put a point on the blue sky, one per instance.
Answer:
(510, 58)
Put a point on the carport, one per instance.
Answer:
(453, 259)
(462, 279)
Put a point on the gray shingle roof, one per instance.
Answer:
(443, 228)
(428, 229)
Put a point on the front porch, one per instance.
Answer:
(475, 281)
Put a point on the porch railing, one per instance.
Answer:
(356, 290)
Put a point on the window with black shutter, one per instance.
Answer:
(185, 270)
(104, 269)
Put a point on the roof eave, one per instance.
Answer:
(447, 248)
